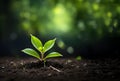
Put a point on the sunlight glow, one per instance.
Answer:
(61, 19)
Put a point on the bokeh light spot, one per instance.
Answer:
(81, 25)
(70, 50)
(61, 19)
(118, 9)
(95, 6)
(115, 23)
(109, 14)
(61, 44)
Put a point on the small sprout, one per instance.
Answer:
(78, 58)
(42, 49)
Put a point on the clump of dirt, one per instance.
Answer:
(66, 69)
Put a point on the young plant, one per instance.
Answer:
(42, 49)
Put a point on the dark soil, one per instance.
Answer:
(29, 69)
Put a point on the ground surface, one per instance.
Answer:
(29, 69)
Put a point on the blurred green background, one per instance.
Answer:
(90, 28)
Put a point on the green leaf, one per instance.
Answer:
(36, 43)
(53, 54)
(48, 45)
(31, 52)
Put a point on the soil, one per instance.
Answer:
(65, 69)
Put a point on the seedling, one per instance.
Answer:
(78, 58)
(42, 49)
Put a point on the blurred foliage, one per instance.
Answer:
(68, 20)
(88, 18)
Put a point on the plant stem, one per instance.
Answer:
(44, 64)
(42, 56)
